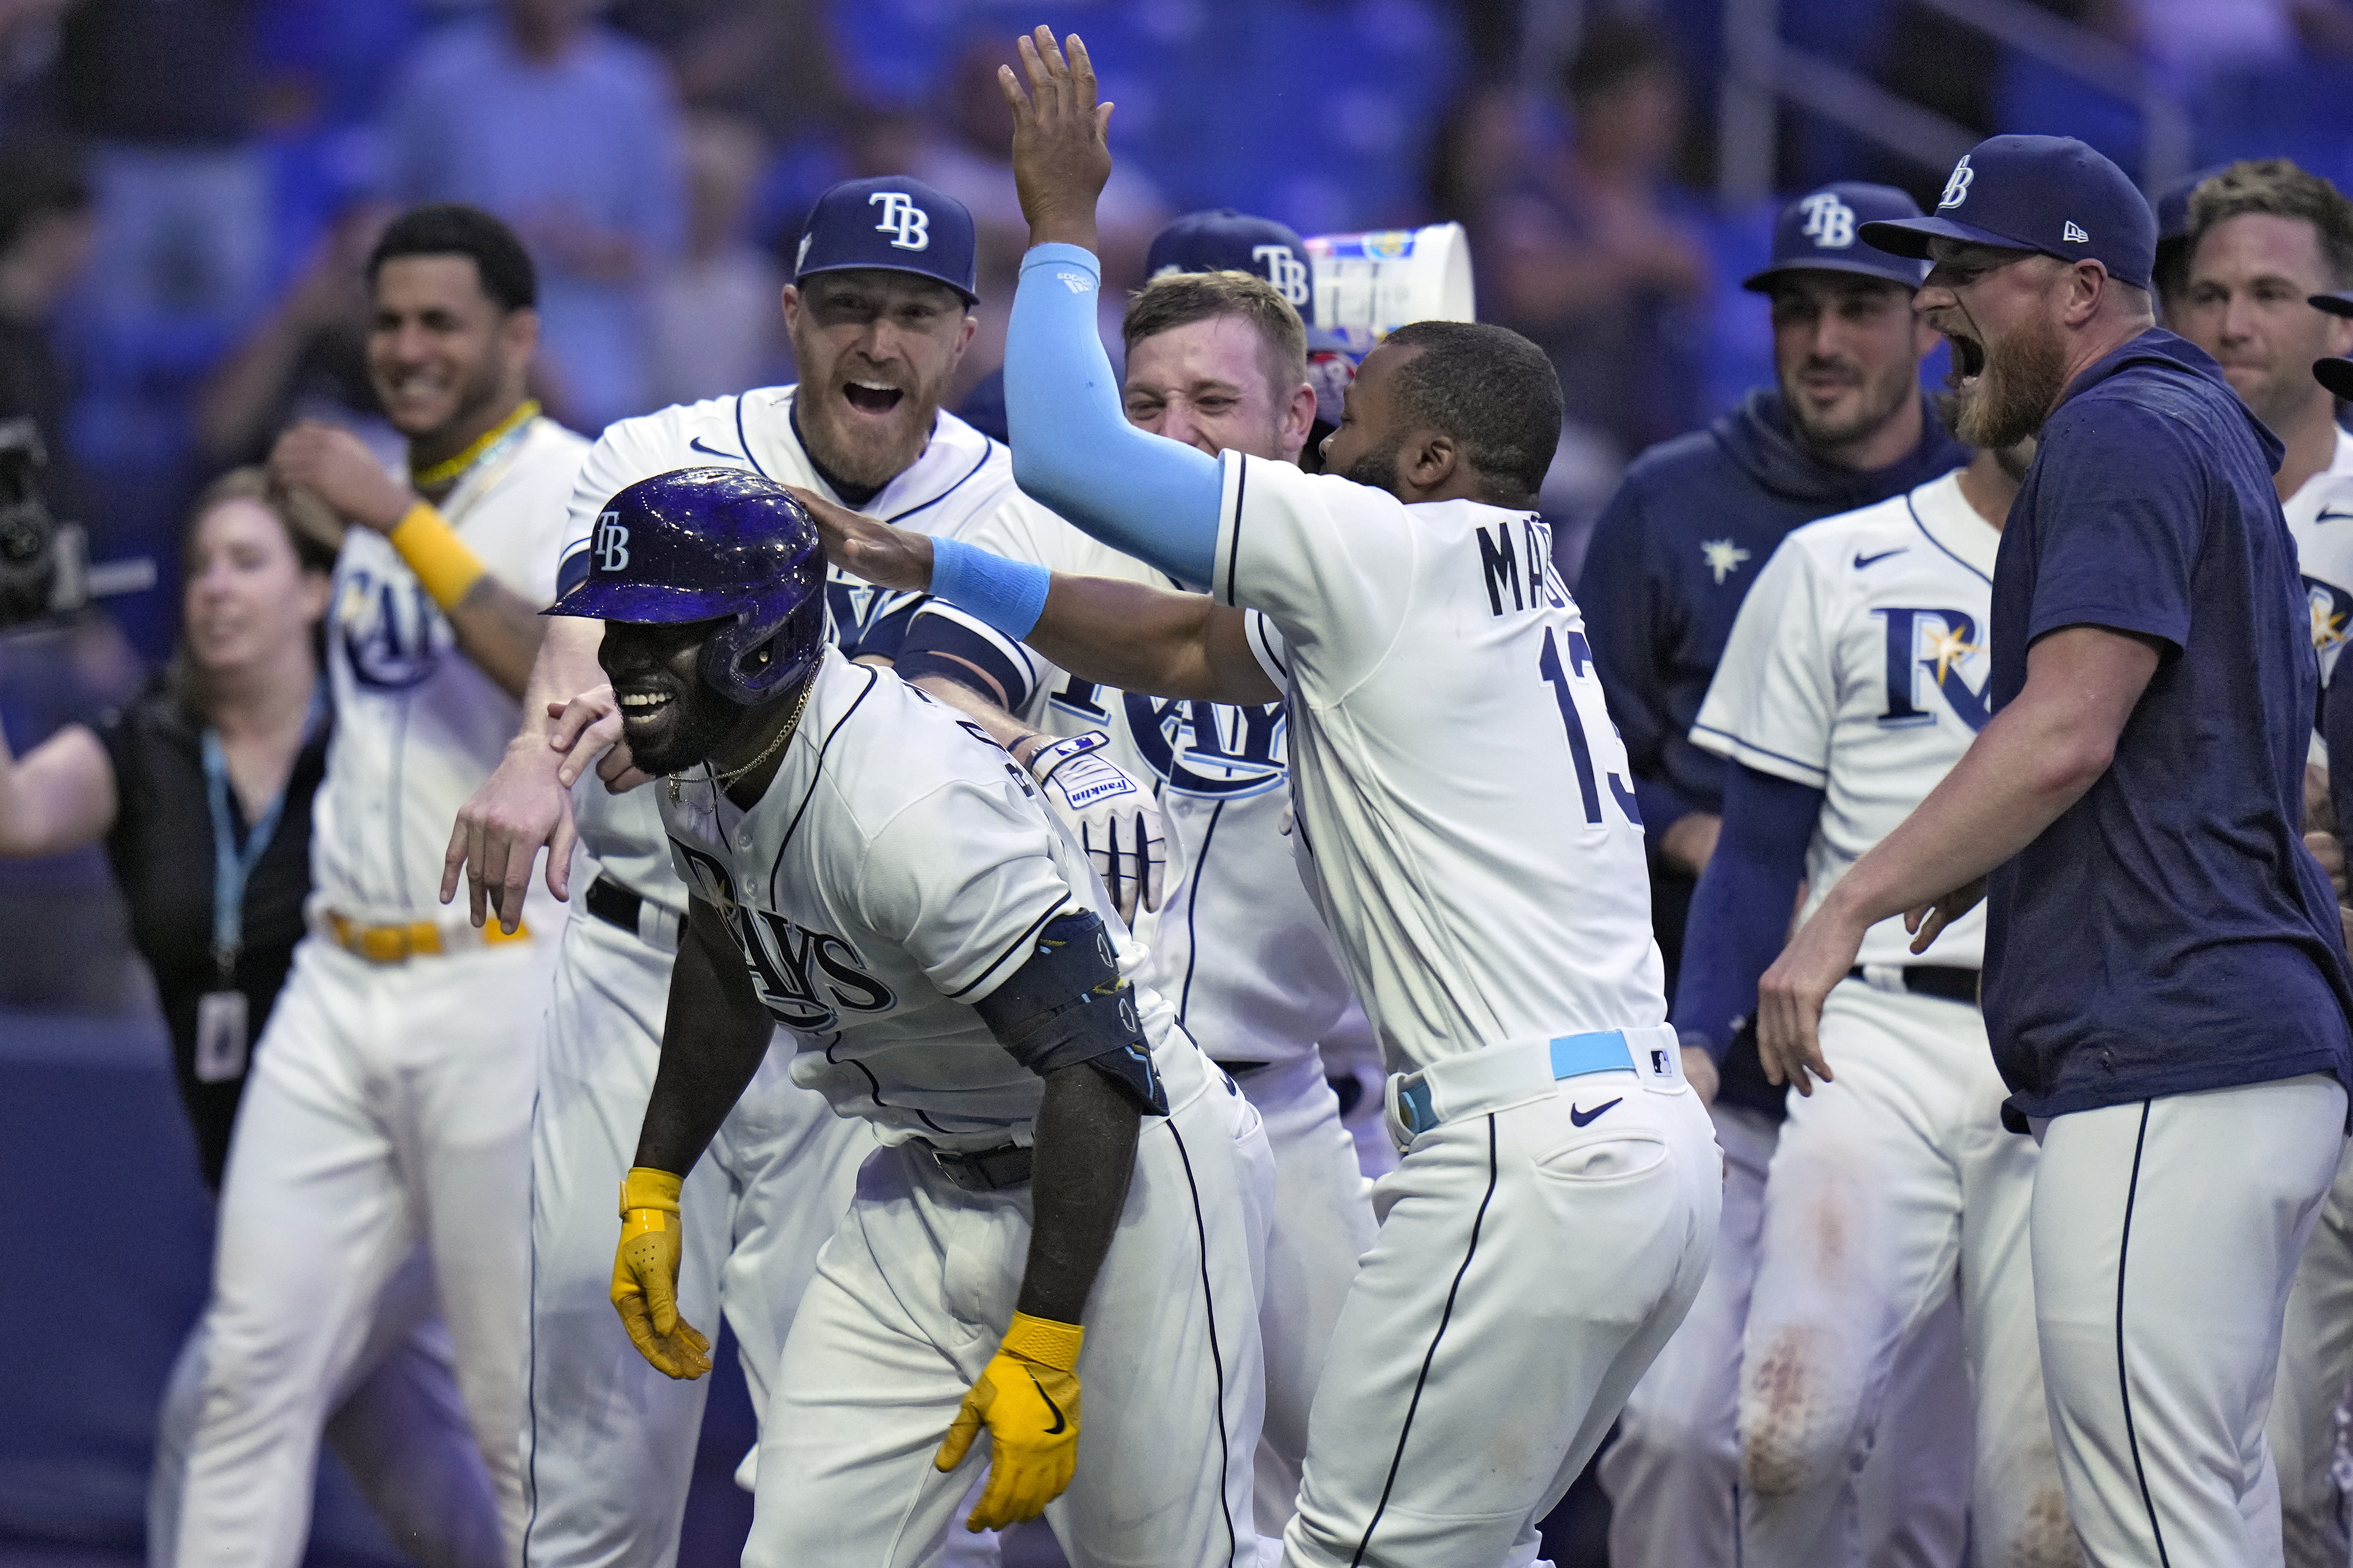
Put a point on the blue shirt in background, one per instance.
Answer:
(2168, 932)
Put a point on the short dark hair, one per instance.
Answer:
(2277, 188)
(1181, 299)
(1616, 50)
(448, 228)
(39, 175)
(1492, 390)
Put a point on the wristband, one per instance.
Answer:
(646, 1188)
(1044, 1340)
(1009, 596)
(440, 558)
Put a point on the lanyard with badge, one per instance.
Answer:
(222, 1024)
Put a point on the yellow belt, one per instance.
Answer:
(399, 943)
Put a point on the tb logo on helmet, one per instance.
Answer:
(1956, 189)
(612, 543)
(1285, 271)
(909, 226)
(1830, 222)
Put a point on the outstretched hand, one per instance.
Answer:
(888, 557)
(1060, 158)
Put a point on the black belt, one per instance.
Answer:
(984, 1170)
(1939, 980)
(614, 904)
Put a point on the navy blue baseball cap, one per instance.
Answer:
(2047, 193)
(1818, 232)
(2173, 204)
(2337, 374)
(2339, 304)
(894, 223)
(1220, 239)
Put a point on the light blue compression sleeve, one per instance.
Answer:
(1075, 451)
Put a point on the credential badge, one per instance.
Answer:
(909, 225)
(1956, 189)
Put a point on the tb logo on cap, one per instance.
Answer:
(1956, 189)
(1830, 222)
(1285, 271)
(612, 543)
(909, 225)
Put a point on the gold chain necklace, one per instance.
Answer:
(720, 781)
(448, 469)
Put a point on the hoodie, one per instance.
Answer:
(1672, 556)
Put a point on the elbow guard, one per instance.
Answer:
(1070, 1003)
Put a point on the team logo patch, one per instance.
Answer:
(1723, 557)
(1830, 222)
(612, 545)
(1956, 188)
(1942, 645)
(390, 631)
(909, 225)
(2071, 235)
(1285, 271)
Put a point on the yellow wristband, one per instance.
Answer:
(646, 1188)
(1044, 1340)
(435, 552)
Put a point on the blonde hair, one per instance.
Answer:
(1181, 299)
(309, 525)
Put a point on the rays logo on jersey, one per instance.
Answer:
(1210, 750)
(2331, 607)
(804, 978)
(1941, 645)
(392, 634)
(856, 608)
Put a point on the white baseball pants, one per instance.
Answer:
(1893, 1184)
(1526, 1270)
(2315, 1368)
(1323, 1224)
(2166, 1233)
(1673, 1475)
(608, 1449)
(400, 1430)
(911, 1298)
(390, 1107)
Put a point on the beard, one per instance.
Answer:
(1882, 400)
(2014, 392)
(698, 724)
(1378, 470)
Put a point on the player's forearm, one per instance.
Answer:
(1085, 1155)
(1003, 727)
(1740, 913)
(1073, 449)
(2037, 758)
(501, 631)
(713, 1039)
(564, 667)
(58, 796)
(1146, 639)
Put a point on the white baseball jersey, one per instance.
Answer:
(961, 474)
(418, 726)
(2320, 520)
(898, 870)
(1237, 947)
(1858, 666)
(1465, 820)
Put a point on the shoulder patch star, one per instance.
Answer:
(1723, 557)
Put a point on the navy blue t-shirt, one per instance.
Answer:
(2168, 932)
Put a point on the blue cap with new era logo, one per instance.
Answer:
(893, 222)
(1220, 239)
(2050, 194)
(1820, 232)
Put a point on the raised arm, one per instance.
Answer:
(1073, 449)
(58, 796)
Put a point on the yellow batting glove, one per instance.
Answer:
(1028, 1396)
(644, 1276)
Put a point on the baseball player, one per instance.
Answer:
(1217, 358)
(1061, 1165)
(1673, 556)
(1855, 679)
(389, 1104)
(878, 318)
(2164, 973)
(1464, 825)
(2266, 241)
